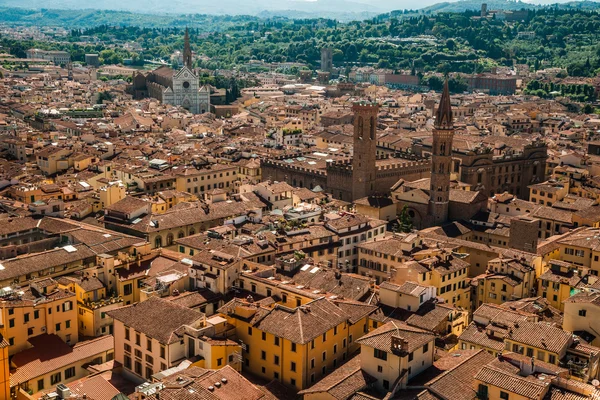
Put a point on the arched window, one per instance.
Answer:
(192, 231)
(169, 239)
(158, 242)
(443, 149)
(373, 127)
(180, 234)
(441, 169)
(361, 127)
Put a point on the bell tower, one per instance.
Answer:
(187, 51)
(441, 160)
(364, 149)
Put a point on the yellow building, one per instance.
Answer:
(176, 334)
(53, 159)
(4, 369)
(296, 346)
(111, 193)
(548, 193)
(198, 181)
(441, 269)
(51, 362)
(395, 353)
(41, 308)
(507, 279)
(560, 282)
(582, 315)
(92, 304)
(250, 170)
(542, 341)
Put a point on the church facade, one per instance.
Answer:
(178, 88)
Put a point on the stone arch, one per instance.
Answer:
(361, 126)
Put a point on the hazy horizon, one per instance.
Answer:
(236, 7)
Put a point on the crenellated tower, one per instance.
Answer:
(364, 149)
(441, 160)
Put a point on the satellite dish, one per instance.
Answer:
(595, 382)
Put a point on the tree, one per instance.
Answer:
(405, 221)
(588, 109)
(103, 96)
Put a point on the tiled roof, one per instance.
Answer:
(157, 318)
(478, 336)
(529, 387)
(381, 338)
(303, 324)
(457, 383)
(540, 335)
(343, 382)
(50, 353)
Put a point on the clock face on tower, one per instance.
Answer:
(186, 85)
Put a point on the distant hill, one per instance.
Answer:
(218, 15)
(467, 5)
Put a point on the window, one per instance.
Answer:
(293, 366)
(57, 327)
(138, 339)
(379, 368)
(56, 378)
(149, 344)
(249, 331)
(276, 341)
(138, 368)
(411, 356)
(219, 361)
(293, 382)
(276, 360)
(162, 351)
(324, 355)
(264, 336)
(552, 359)
(68, 324)
(126, 333)
(149, 359)
(128, 289)
(294, 347)
(11, 323)
(36, 314)
(482, 391)
(582, 313)
(26, 317)
(40, 385)
(503, 395)
(127, 361)
(426, 348)
(382, 355)
(386, 384)
(69, 372)
(263, 355)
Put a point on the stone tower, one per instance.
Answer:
(187, 51)
(441, 161)
(365, 149)
(326, 59)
